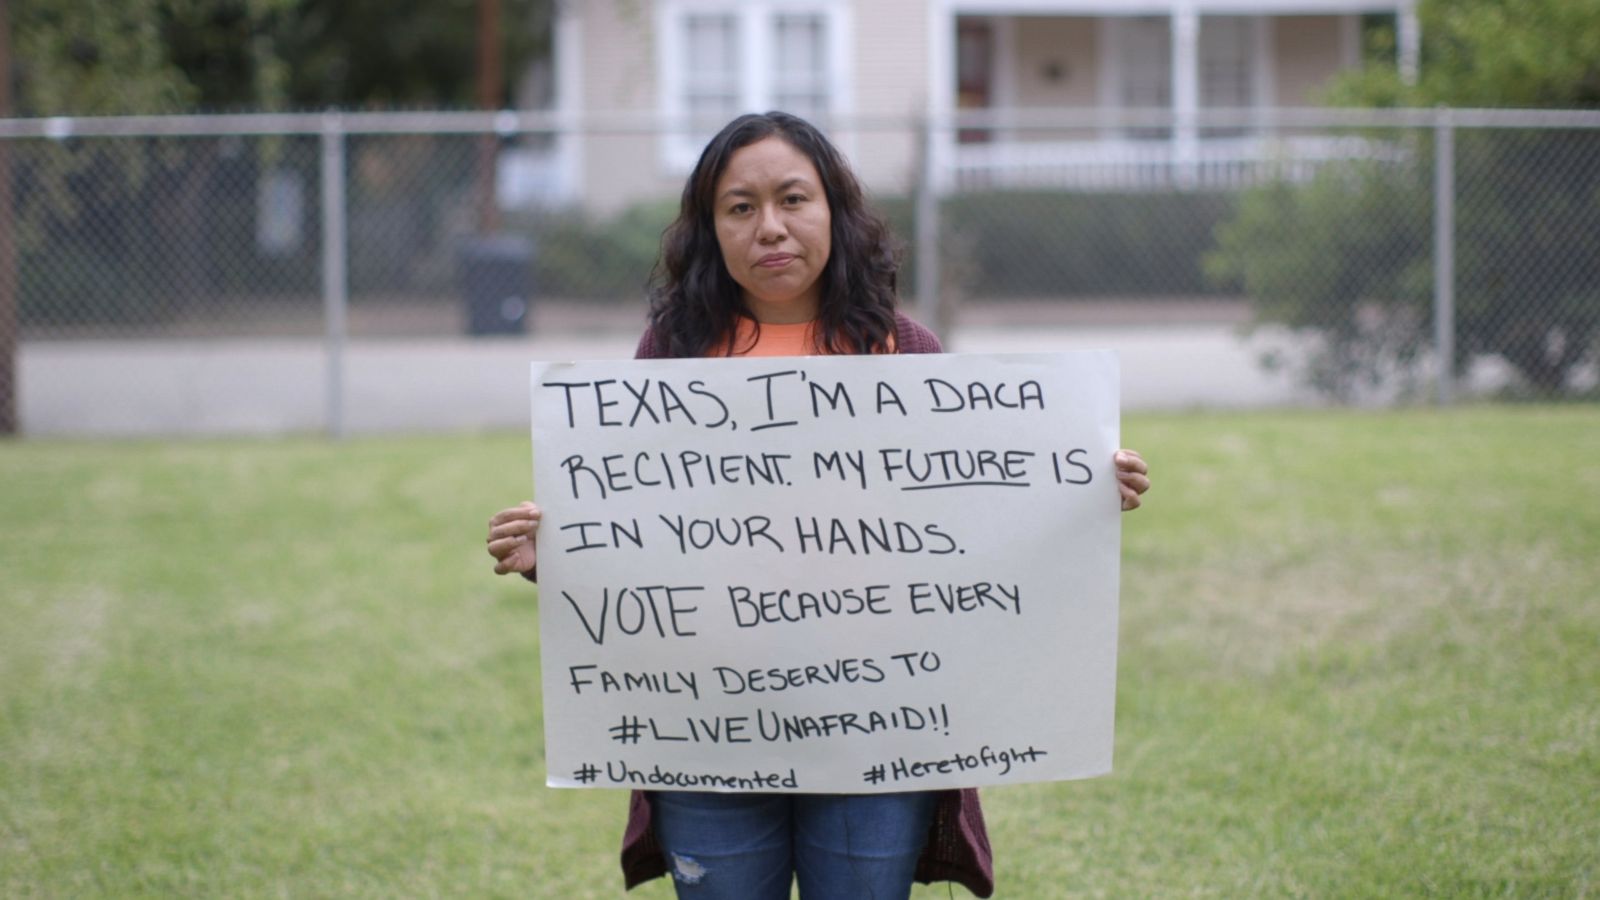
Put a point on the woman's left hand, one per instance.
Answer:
(1133, 477)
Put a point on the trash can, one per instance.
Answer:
(495, 272)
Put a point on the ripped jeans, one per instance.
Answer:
(750, 846)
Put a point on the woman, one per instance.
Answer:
(776, 253)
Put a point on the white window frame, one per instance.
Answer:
(1004, 75)
(1115, 35)
(1113, 32)
(756, 24)
(1247, 49)
(1350, 40)
(1266, 75)
(738, 40)
(822, 81)
(1258, 86)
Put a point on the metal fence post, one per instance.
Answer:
(10, 303)
(1444, 252)
(335, 281)
(929, 307)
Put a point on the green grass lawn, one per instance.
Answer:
(1360, 657)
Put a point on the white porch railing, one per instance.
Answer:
(1121, 164)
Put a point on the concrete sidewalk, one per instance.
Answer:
(276, 386)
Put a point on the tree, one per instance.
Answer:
(78, 57)
(399, 53)
(1348, 257)
(127, 213)
(1538, 54)
(142, 242)
(151, 57)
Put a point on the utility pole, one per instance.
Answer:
(8, 244)
(490, 78)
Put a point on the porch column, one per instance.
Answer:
(1185, 91)
(1409, 39)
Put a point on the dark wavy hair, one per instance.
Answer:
(694, 301)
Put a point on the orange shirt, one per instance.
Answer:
(797, 339)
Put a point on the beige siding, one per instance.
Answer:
(1057, 62)
(1055, 65)
(890, 60)
(1307, 52)
(889, 81)
(618, 56)
(619, 76)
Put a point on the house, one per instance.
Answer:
(1081, 93)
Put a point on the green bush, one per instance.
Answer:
(1348, 258)
(1071, 244)
(575, 256)
(1345, 257)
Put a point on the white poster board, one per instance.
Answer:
(827, 574)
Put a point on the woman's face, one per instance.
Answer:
(774, 227)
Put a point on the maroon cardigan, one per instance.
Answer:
(958, 844)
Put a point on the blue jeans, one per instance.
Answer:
(750, 846)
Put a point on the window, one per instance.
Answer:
(1146, 60)
(1227, 73)
(711, 68)
(719, 58)
(800, 65)
(975, 50)
(1140, 67)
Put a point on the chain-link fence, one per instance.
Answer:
(1341, 255)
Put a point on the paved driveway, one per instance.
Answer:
(274, 386)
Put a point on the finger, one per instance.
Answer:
(524, 510)
(515, 528)
(1130, 499)
(505, 547)
(515, 514)
(515, 561)
(1131, 461)
(1138, 483)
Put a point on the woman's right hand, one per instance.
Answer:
(511, 538)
